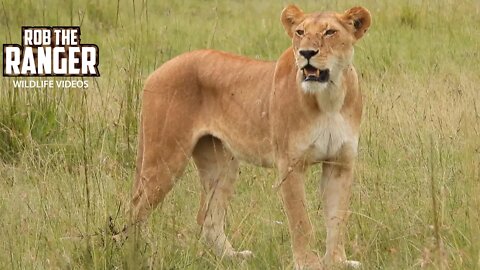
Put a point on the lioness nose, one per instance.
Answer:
(308, 53)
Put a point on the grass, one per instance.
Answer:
(67, 155)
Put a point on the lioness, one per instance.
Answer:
(222, 108)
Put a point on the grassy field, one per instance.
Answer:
(67, 155)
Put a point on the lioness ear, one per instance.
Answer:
(359, 19)
(291, 17)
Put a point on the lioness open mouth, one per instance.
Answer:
(311, 73)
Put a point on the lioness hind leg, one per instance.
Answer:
(153, 185)
(162, 157)
(218, 171)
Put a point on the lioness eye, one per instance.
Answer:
(300, 32)
(330, 32)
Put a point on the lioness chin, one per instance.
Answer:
(221, 108)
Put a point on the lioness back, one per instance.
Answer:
(212, 70)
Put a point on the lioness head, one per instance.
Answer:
(323, 43)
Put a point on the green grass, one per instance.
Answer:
(67, 156)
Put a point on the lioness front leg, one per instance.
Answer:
(293, 197)
(335, 190)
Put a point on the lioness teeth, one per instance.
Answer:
(310, 71)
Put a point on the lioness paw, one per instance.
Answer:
(244, 254)
(353, 264)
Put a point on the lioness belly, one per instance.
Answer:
(257, 151)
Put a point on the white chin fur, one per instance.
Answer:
(313, 87)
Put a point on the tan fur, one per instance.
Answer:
(222, 109)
